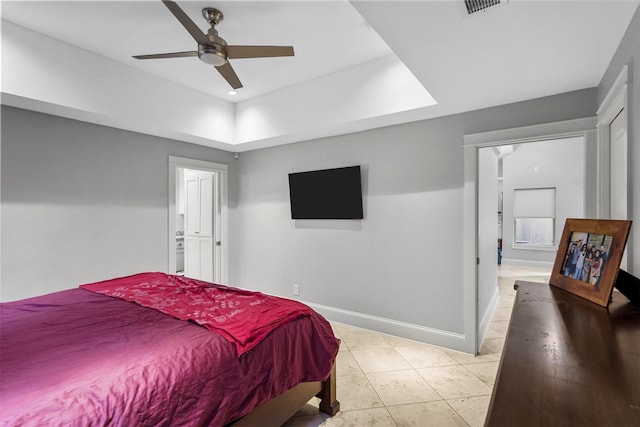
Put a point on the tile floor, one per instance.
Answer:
(386, 381)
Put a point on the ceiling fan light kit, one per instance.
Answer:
(213, 49)
(211, 55)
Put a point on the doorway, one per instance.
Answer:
(534, 187)
(198, 219)
(481, 297)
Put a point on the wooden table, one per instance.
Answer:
(568, 362)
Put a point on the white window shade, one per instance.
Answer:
(534, 212)
(534, 203)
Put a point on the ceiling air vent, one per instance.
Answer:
(477, 5)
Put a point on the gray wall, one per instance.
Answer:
(82, 202)
(628, 53)
(544, 164)
(403, 261)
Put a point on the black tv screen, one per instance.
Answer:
(326, 194)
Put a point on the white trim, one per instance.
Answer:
(438, 337)
(222, 170)
(542, 132)
(618, 90)
(470, 250)
(612, 105)
(483, 327)
(187, 163)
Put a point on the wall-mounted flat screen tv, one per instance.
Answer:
(326, 194)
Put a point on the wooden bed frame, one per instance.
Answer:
(277, 411)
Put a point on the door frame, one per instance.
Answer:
(614, 103)
(611, 106)
(221, 252)
(585, 127)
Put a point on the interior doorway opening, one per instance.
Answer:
(526, 191)
(197, 213)
(481, 297)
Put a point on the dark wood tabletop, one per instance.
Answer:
(568, 362)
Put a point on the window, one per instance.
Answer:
(534, 215)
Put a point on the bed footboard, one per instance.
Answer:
(328, 396)
(278, 410)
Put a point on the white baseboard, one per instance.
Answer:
(451, 340)
(487, 316)
(527, 263)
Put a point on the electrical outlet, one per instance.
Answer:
(296, 289)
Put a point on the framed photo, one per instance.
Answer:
(589, 256)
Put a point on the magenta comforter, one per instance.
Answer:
(79, 358)
(244, 317)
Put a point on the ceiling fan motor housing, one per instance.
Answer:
(213, 55)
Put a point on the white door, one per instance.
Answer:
(198, 258)
(199, 224)
(618, 182)
(618, 202)
(488, 196)
(198, 203)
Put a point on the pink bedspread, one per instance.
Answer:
(243, 317)
(79, 358)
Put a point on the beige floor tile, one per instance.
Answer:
(497, 329)
(346, 364)
(425, 356)
(492, 346)
(452, 382)
(464, 358)
(336, 332)
(430, 414)
(534, 276)
(381, 359)
(505, 302)
(339, 327)
(531, 274)
(502, 313)
(402, 387)
(397, 341)
(472, 409)
(506, 298)
(486, 371)
(355, 392)
(355, 339)
(376, 417)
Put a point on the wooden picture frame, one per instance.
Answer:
(593, 276)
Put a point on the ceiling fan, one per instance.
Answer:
(213, 49)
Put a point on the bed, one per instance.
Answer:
(154, 349)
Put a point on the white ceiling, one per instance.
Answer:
(326, 36)
(521, 49)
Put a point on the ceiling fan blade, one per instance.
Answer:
(187, 23)
(229, 75)
(237, 52)
(168, 55)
